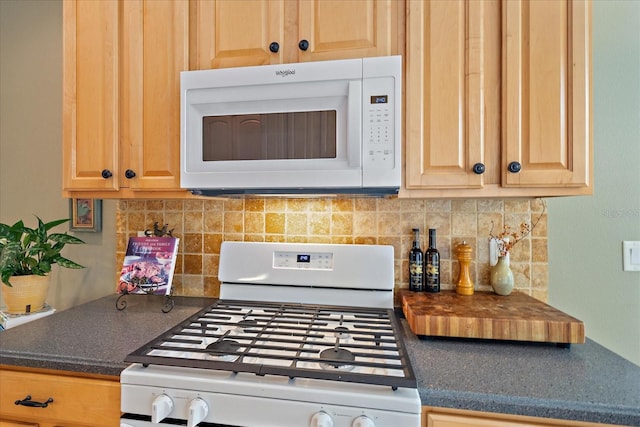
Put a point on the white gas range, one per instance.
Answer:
(303, 335)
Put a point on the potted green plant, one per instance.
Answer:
(26, 257)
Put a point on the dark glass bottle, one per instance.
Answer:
(432, 261)
(416, 261)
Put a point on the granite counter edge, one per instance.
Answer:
(79, 366)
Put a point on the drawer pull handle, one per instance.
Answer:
(28, 402)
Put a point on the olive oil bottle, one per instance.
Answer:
(432, 260)
(416, 263)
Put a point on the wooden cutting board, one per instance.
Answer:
(486, 315)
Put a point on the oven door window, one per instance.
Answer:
(270, 136)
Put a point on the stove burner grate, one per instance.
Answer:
(294, 340)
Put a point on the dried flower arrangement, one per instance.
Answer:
(507, 239)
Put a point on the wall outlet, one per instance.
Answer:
(493, 252)
(630, 256)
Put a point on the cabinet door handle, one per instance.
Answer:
(32, 403)
(106, 173)
(274, 47)
(514, 167)
(129, 174)
(304, 44)
(478, 168)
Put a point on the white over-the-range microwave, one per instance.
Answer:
(328, 127)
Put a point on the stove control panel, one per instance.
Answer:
(303, 260)
(276, 407)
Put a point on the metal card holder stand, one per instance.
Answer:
(167, 305)
(169, 302)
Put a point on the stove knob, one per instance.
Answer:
(321, 419)
(363, 421)
(161, 408)
(198, 411)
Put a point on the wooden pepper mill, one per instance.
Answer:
(464, 285)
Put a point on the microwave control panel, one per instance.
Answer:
(378, 123)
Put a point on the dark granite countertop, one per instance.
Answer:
(94, 337)
(586, 382)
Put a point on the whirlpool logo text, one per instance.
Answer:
(285, 73)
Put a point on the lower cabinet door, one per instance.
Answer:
(9, 423)
(72, 400)
(444, 420)
(446, 417)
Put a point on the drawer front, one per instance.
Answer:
(7, 423)
(85, 401)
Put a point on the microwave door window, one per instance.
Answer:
(273, 136)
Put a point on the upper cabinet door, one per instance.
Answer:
(156, 50)
(343, 29)
(502, 87)
(121, 109)
(236, 33)
(90, 112)
(445, 88)
(546, 79)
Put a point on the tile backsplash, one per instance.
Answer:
(203, 224)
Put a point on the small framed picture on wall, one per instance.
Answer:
(86, 215)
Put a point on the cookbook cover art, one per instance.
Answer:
(148, 265)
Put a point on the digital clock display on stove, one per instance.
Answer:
(303, 258)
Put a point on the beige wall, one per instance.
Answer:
(586, 233)
(30, 145)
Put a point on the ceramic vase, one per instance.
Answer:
(502, 277)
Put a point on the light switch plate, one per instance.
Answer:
(631, 256)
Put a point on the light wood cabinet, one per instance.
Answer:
(122, 63)
(546, 87)
(445, 417)
(91, 111)
(77, 400)
(7, 423)
(235, 33)
(121, 121)
(452, 92)
(498, 99)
